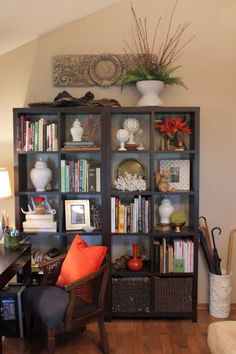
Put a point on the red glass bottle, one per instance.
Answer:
(135, 264)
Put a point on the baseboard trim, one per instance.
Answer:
(205, 307)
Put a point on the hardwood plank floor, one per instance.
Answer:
(128, 337)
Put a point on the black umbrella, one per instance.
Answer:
(208, 257)
(216, 257)
(204, 227)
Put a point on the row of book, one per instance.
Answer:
(36, 135)
(39, 223)
(131, 217)
(173, 257)
(80, 176)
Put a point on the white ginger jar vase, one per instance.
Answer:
(165, 210)
(150, 91)
(40, 175)
(76, 130)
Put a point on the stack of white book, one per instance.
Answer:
(39, 223)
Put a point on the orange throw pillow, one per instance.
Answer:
(80, 260)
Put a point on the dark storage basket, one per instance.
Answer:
(131, 295)
(172, 294)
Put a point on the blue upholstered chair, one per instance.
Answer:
(62, 309)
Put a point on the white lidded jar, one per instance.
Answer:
(165, 210)
(40, 175)
(77, 130)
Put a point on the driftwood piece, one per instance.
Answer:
(64, 99)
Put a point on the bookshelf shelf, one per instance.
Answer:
(96, 169)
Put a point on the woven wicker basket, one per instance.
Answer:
(172, 294)
(131, 295)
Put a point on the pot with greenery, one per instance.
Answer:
(153, 61)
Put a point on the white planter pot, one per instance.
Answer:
(150, 91)
(40, 175)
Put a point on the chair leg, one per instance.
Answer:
(103, 335)
(51, 340)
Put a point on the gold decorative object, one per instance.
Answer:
(90, 70)
(177, 226)
(131, 166)
(177, 220)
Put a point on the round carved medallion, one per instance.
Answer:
(105, 69)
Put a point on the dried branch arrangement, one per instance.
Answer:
(153, 59)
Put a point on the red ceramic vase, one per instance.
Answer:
(135, 264)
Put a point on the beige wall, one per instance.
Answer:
(208, 69)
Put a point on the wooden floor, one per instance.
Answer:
(128, 337)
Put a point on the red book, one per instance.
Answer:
(22, 133)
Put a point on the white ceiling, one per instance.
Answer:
(24, 20)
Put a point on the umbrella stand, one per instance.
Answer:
(229, 253)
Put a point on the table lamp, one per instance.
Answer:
(5, 193)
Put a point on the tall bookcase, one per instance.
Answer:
(152, 292)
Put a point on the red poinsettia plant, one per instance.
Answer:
(172, 125)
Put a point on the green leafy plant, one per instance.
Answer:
(152, 60)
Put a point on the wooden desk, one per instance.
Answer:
(10, 264)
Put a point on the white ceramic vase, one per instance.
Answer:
(40, 175)
(150, 91)
(165, 210)
(77, 130)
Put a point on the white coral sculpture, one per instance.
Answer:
(130, 182)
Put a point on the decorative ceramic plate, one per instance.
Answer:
(131, 166)
(105, 69)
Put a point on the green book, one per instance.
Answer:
(178, 265)
(67, 179)
(63, 176)
(36, 136)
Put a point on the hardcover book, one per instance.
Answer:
(41, 217)
(178, 265)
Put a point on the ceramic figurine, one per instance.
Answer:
(123, 136)
(132, 125)
(77, 130)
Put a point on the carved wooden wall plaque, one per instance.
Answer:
(90, 70)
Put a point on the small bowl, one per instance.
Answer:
(89, 228)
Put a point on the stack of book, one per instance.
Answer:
(39, 223)
(38, 135)
(80, 176)
(80, 145)
(173, 257)
(131, 217)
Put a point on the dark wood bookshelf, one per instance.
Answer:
(145, 285)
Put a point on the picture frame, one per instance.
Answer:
(179, 170)
(77, 214)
